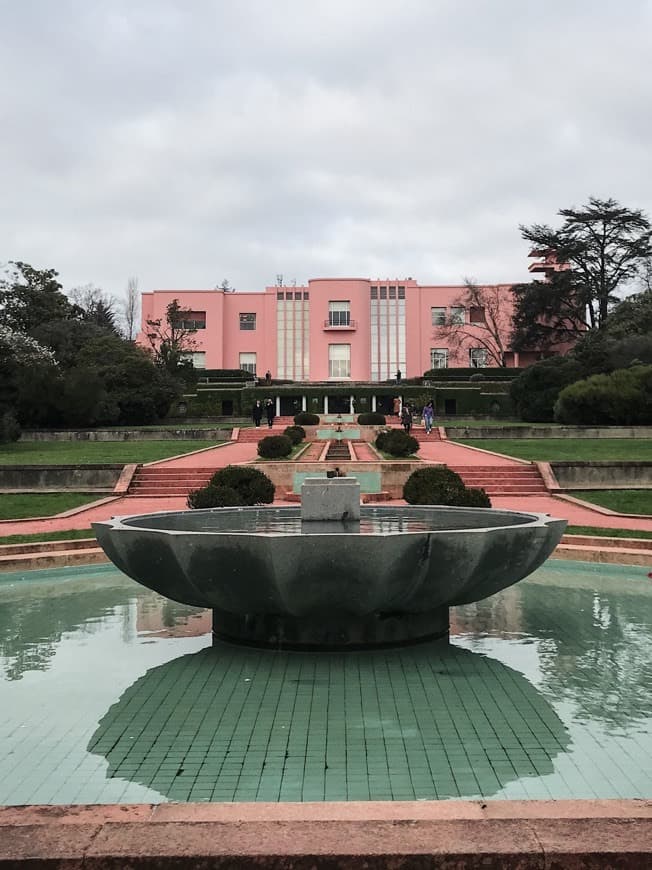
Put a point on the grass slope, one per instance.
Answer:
(579, 449)
(94, 452)
(20, 505)
(623, 501)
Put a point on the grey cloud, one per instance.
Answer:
(189, 142)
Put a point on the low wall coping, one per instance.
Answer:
(374, 835)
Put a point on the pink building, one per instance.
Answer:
(341, 329)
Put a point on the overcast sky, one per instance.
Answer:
(188, 141)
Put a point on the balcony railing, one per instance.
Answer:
(349, 325)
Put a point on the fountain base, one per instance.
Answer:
(331, 631)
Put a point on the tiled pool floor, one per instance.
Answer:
(110, 693)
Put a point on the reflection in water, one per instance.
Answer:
(36, 614)
(549, 691)
(426, 721)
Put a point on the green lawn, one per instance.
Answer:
(606, 533)
(94, 452)
(624, 501)
(19, 505)
(69, 535)
(580, 449)
(452, 423)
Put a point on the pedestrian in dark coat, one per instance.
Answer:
(406, 418)
(271, 413)
(257, 413)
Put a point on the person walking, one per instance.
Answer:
(406, 418)
(269, 410)
(397, 406)
(257, 413)
(428, 417)
(398, 376)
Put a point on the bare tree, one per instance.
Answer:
(130, 308)
(484, 321)
(95, 305)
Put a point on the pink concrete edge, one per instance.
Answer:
(443, 434)
(548, 476)
(126, 476)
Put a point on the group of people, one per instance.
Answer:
(268, 410)
(404, 413)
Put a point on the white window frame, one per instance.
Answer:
(339, 361)
(247, 362)
(438, 357)
(247, 321)
(458, 315)
(438, 316)
(197, 358)
(478, 357)
(339, 313)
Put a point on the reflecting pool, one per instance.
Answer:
(109, 693)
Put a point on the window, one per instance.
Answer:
(280, 296)
(248, 321)
(457, 315)
(339, 313)
(438, 316)
(248, 362)
(306, 296)
(438, 358)
(374, 293)
(383, 292)
(392, 292)
(476, 314)
(339, 360)
(401, 292)
(197, 358)
(477, 357)
(194, 320)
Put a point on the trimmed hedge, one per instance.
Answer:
(274, 447)
(622, 398)
(536, 390)
(253, 486)
(305, 418)
(296, 434)
(442, 486)
(396, 442)
(371, 418)
(214, 496)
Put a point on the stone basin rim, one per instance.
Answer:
(530, 519)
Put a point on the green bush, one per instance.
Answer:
(396, 442)
(622, 398)
(371, 418)
(274, 447)
(9, 428)
(435, 485)
(296, 434)
(535, 391)
(252, 485)
(214, 496)
(476, 377)
(305, 418)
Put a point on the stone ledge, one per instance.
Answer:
(446, 834)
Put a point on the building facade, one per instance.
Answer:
(340, 329)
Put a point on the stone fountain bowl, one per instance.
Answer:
(272, 579)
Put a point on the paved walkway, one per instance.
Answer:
(218, 457)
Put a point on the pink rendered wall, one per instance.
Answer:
(261, 341)
(325, 290)
(154, 306)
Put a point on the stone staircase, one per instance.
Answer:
(153, 481)
(338, 451)
(503, 479)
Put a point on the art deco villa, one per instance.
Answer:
(340, 329)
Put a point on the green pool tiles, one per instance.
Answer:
(543, 693)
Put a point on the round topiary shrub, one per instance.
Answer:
(396, 442)
(476, 376)
(296, 434)
(434, 485)
(214, 496)
(305, 418)
(371, 418)
(274, 447)
(252, 485)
